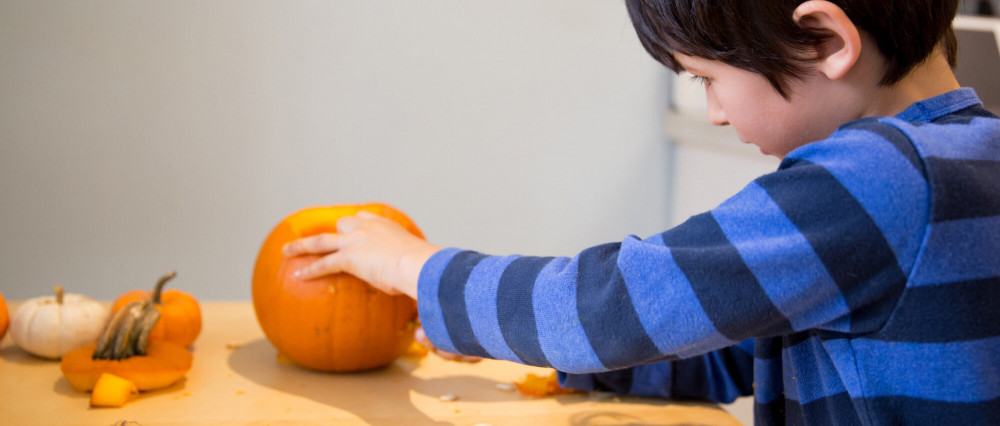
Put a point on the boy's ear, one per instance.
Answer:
(837, 53)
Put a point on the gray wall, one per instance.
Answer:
(140, 137)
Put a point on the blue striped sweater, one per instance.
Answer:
(857, 284)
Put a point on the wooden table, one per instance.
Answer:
(236, 379)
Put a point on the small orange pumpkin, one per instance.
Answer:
(125, 350)
(181, 316)
(4, 317)
(334, 323)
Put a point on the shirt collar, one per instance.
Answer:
(933, 108)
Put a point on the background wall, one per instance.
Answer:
(141, 137)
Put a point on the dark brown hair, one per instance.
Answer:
(760, 35)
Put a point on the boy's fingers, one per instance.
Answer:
(328, 265)
(347, 224)
(316, 244)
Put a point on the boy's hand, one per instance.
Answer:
(370, 247)
(421, 338)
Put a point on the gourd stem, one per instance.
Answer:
(127, 334)
(59, 294)
(104, 343)
(159, 286)
(148, 319)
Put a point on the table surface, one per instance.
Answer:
(236, 379)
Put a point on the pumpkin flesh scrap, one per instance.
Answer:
(112, 391)
(541, 386)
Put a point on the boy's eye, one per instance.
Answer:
(701, 80)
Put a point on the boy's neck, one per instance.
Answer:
(930, 78)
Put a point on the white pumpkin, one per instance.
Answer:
(52, 326)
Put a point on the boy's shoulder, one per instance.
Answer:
(951, 125)
(955, 125)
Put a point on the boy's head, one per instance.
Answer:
(760, 35)
(785, 73)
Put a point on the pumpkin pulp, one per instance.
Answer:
(112, 391)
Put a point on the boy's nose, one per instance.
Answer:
(717, 116)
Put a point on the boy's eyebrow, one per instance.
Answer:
(685, 64)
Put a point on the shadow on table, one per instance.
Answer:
(360, 393)
(14, 354)
(366, 392)
(63, 387)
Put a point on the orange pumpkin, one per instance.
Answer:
(4, 317)
(125, 350)
(180, 322)
(335, 323)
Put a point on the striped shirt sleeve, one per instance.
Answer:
(718, 376)
(812, 245)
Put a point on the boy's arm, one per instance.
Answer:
(718, 376)
(823, 243)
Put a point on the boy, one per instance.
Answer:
(857, 284)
